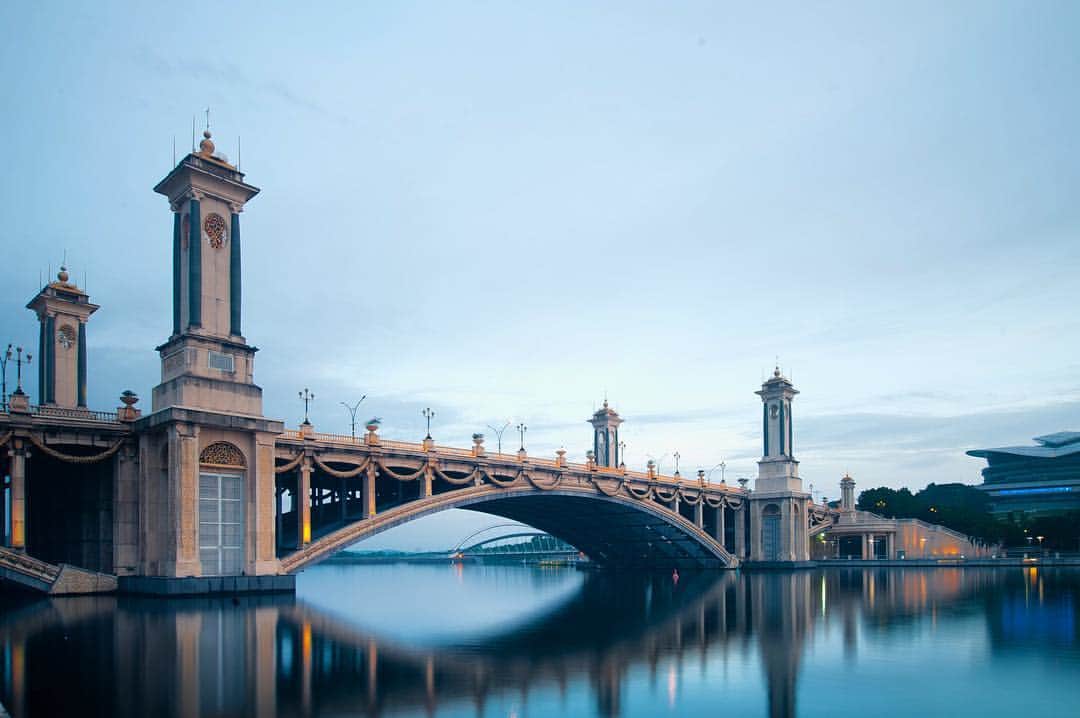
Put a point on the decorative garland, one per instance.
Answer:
(400, 477)
(604, 491)
(669, 497)
(289, 466)
(342, 474)
(644, 495)
(555, 482)
(695, 501)
(502, 484)
(7, 438)
(69, 458)
(457, 482)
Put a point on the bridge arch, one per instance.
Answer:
(615, 530)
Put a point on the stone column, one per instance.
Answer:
(699, 512)
(125, 514)
(369, 490)
(184, 501)
(740, 529)
(721, 531)
(194, 263)
(18, 494)
(262, 500)
(234, 273)
(303, 504)
(425, 482)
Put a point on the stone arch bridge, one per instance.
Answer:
(357, 488)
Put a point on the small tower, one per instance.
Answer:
(63, 310)
(847, 493)
(605, 424)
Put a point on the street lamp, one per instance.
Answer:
(521, 432)
(622, 453)
(657, 462)
(352, 413)
(428, 413)
(677, 456)
(722, 465)
(499, 433)
(306, 396)
(1040, 542)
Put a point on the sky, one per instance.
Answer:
(505, 211)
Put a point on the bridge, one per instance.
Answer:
(361, 487)
(523, 543)
(204, 493)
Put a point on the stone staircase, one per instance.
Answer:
(62, 580)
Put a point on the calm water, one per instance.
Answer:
(419, 640)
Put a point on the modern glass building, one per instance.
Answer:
(1025, 480)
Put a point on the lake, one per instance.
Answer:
(514, 641)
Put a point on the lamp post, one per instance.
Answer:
(622, 453)
(677, 456)
(19, 361)
(499, 433)
(428, 414)
(657, 462)
(352, 414)
(306, 396)
(1040, 543)
(521, 433)
(4, 359)
(722, 465)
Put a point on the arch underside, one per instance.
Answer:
(611, 531)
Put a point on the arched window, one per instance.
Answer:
(221, 509)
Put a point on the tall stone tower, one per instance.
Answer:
(206, 469)
(62, 310)
(778, 504)
(207, 363)
(605, 424)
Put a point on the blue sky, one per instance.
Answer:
(503, 210)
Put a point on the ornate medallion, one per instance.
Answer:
(214, 226)
(66, 336)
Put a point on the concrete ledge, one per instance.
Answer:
(777, 565)
(948, 562)
(206, 585)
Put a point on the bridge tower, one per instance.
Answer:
(206, 485)
(605, 424)
(62, 310)
(778, 504)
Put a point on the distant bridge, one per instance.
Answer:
(539, 546)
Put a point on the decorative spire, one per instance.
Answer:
(62, 275)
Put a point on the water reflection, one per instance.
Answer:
(778, 644)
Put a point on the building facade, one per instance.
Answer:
(1027, 481)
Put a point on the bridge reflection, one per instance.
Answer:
(270, 656)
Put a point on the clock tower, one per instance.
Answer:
(62, 310)
(207, 469)
(778, 505)
(206, 363)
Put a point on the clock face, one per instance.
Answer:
(65, 335)
(214, 226)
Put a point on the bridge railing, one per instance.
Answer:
(452, 452)
(62, 412)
